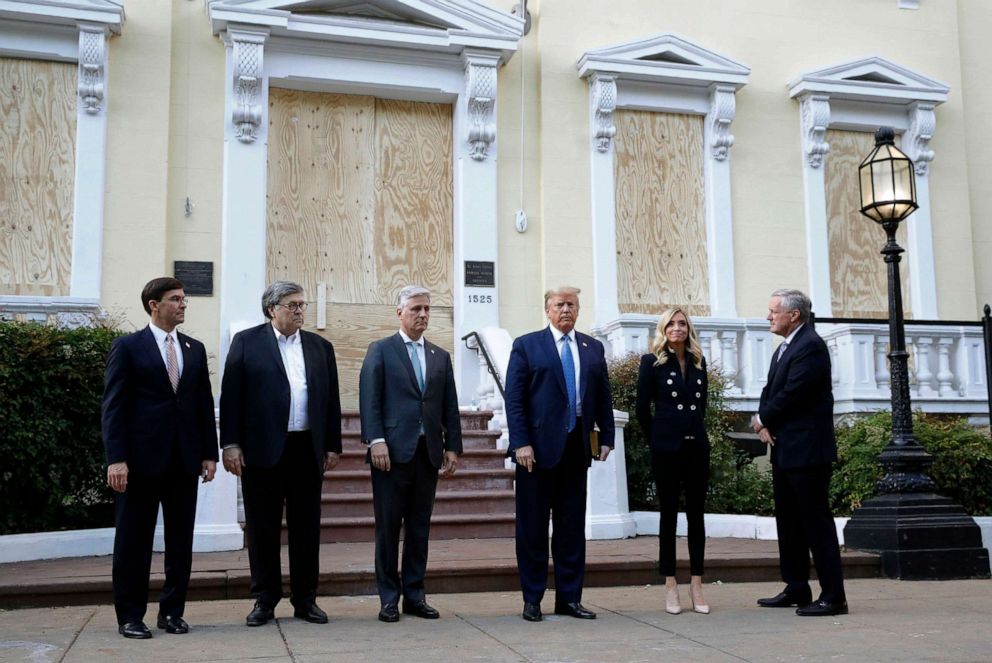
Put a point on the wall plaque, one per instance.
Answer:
(198, 277)
(480, 274)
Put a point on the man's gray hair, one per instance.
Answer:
(560, 290)
(274, 293)
(411, 291)
(794, 300)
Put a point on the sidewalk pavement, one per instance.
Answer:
(889, 621)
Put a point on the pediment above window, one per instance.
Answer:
(872, 79)
(109, 13)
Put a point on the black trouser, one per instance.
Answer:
(296, 482)
(805, 524)
(403, 498)
(557, 494)
(688, 471)
(137, 513)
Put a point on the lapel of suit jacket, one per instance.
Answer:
(585, 362)
(403, 356)
(430, 358)
(155, 354)
(183, 342)
(550, 346)
(310, 358)
(269, 340)
(776, 360)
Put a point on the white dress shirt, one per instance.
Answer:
(573, 345)
(291, 349)
(160, 335)
(421, 355)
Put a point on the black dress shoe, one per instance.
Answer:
(389, 613)
(172, 624)
(420, 609)
(134, 630)
(259, 615)
(311, 613)
(532, 612)
(785, 600)
(822, 608)
(574, 610)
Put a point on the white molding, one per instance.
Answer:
(862, 95)
(664, 73)
(247, 58)
(65, 12)
(480, 88)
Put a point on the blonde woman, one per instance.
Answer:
(672, 377)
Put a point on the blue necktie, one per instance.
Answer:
(416, 365)
(568, 366)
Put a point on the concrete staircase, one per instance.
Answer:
(476, 503)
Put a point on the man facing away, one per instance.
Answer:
(410, 420)
(160, 435)
(557, 389)
(795, 417)
(280, 427)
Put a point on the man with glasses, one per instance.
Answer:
(160, 435)
(280, 428)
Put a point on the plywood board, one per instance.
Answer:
(661, 233)
(37, 170)
(858, 278)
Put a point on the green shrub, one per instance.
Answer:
(962, 460)
(51, 384)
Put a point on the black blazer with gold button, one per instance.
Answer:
(679, 403)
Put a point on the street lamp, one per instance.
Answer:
(919, 534)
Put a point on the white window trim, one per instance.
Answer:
(72, 31)
(386, 58)
(830, 98)
(664, 73)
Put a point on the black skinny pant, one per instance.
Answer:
(685, 470)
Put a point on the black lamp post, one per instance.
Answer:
(920, 535)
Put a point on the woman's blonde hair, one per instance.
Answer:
(659, 345)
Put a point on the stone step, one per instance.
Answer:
(360, 481)
(448, 502)
(448, 526)
(471, 459)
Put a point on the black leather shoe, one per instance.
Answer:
(259, 615)
(785, 600)
(172, 624)
(134, 630)
(822, 608)
(420, 609)
(574, 610)
(389, 613)
(532, 612)
(311, 613)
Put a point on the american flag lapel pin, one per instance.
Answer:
(187, 344)
(584, 344)
(432, 350)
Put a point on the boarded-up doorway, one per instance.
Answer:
(360, 198)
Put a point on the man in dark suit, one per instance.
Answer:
(280, 427)
(160, 435)
(795, 417)
(410, 420)
(557, 389)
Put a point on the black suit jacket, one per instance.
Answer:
(254, 396)
(679, 403)
(536, 396)
(393, 408)
(797, 403)
(142, 417)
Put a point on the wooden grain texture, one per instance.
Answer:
(37, 171)
(351, 327)
(858, 280)
(661, 233)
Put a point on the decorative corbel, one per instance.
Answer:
(815, 113)
(922, 123)
(723, 107)
(92, 61)
(480, 85)
(247, 54)
(603, 92)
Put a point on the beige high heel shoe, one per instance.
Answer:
(701, 608)
(672, 605)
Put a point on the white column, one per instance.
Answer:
(919, 252)
(815, 118)
(924, 375)
(475, 210)
(91, 166)
(607, 510)
(945, 378)
(602, 104)
(719, 214)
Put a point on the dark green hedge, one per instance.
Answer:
(53, 475)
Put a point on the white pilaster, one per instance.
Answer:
(607, 509)
(719, 205)
(919, 252)
(602, 103)
(815, 118)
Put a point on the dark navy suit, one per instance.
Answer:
(537, 415)
(164, 436)
(797, 408)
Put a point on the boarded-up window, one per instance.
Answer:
(858, 280)
(661, 233)
(360, 198)
(37, 164)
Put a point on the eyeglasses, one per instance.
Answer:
(178, 300)
(294, 306)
